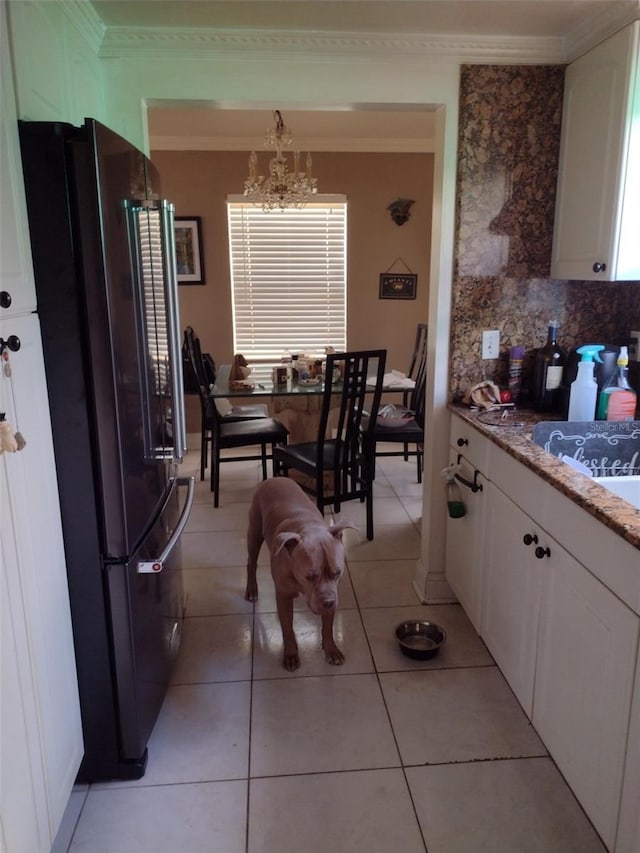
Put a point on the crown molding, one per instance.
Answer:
(176, 142)
(177, 43)
(86, 20)
(600, 25)
(187, 43)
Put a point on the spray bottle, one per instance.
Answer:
(584, 388)
(455, 502)
(617, 400)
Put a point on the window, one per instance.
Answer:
(288, 278)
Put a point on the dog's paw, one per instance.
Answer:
(334, 656)
(291, 662)
(251, 592)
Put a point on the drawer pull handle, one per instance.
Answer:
(529, 539)
(475, 486)
(541, 552)
(599, 267)
(462, 442)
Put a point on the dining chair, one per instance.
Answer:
(405, 425)
(342, 451)
(269, 433)
(208, 407)
(419, 350)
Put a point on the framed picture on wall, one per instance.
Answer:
(189, 258)
(398, 286)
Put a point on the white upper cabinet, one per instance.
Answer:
(597, 218)
(16, 271)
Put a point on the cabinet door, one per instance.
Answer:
(465, 546)
(511, 593)
(33, 512)
(628, 835)
(16, 270)
(584, 676)
(596, 124)
(23, 806)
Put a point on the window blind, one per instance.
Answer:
(288, 278)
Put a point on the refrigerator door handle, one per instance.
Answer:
(175, 349)
(155, 565)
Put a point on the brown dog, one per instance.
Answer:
(306, 557)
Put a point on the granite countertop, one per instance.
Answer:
(621, 517)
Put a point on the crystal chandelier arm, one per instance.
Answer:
(281, 188)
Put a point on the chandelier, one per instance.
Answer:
(281, 187)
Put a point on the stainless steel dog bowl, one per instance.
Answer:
(420, 640)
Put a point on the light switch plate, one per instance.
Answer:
(491, 343)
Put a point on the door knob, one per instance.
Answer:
(5, 299)
(541, 552)
(599, 266)
(529, 539)
(12, 343)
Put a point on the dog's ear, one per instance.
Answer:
(286, 540)
(337, 528)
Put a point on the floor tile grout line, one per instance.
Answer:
(388, 713)
(253, 643)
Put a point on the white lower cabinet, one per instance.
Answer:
(567, 645)
(628, 837)
(511, 593)
(587, 641)
(465, 544)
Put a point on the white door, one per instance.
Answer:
(16, 273)
(465, 545)
(32, 509)
(593, 160)
(584, 677)
(511, 593)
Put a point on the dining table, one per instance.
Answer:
(296, 403)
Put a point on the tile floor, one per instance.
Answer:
(382, 754)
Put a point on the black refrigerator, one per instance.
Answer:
(104, 265)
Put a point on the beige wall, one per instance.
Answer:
(198, 183)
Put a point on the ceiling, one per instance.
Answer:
(459, 17)
(216, 126)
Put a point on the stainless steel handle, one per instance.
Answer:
(155, 565)
(175, 350)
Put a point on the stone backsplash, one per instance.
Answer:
(508, 147)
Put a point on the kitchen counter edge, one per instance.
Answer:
(618, 515)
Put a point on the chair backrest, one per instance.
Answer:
(192, 346)
(357, 401)
(419, 350)
(417, 398)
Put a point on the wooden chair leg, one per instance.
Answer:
(369, 510)
(275, 465)
(215, 477)
(263, 451)
(419, 462)
(203, 450)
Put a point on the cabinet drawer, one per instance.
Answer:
(468, 442)
(516, 480)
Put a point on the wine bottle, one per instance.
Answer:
(547, 372)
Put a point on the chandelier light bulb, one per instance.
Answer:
(281, 187)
